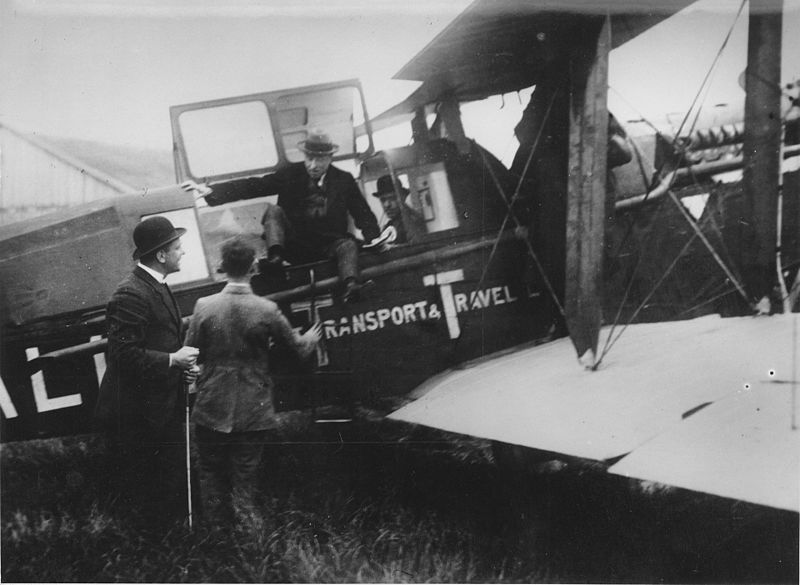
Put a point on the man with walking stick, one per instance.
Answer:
(140, 405)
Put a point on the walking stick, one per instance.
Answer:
(188, 457)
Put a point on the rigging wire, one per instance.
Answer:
(609, 342)
(712, 68)
(724, 293)
(794, 373)
(528, 245)
(510, 215)
(708, 245)
(703, 91)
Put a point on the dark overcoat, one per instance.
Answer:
(294, 189)
(144, 327)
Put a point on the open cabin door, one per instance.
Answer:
(231, 138)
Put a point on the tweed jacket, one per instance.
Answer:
(144, 327)
(295, 195)
(232, 329)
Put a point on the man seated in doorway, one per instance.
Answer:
(407, 221)
(309, 223)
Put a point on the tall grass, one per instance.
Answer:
(396, 505)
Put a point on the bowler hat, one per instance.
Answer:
(154, 233)
(318, 142)
(386, 187)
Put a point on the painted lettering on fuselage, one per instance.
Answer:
(416, 312)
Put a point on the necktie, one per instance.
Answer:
(316, 204)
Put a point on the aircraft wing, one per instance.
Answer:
(500, 46)
(651, 386)
(743, 446)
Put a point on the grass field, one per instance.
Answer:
(394, 504)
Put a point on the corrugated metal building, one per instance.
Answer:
(39, 174)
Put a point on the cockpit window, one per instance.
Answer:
(244, 136)
(416, 201)
(240, 219)
(228, 139)
(336, 110)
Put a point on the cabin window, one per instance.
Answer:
(238, 219)
(423, 206)
(335, 110)
(193, 263)
(431, 190)
(228, 139)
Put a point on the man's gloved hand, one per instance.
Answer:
(200, 191)
(184, 358)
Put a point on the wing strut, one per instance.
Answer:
(762, 146)
(586, 190)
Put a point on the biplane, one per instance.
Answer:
(664, 260)
(491, 318)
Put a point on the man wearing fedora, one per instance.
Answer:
(310, 221)
(407, 221)
(140, 403)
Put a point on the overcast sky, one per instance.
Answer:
(109, 70)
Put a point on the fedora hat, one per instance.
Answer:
(154, 233)
(386, 187)
(318, 142)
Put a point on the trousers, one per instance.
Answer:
(279, 231)
(148, 467)
(228, 470)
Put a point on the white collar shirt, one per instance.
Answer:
(157, 275)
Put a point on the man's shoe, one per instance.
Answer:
(273, 267)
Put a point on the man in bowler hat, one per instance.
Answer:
(140, 404)
(407, 221)
(310, 221)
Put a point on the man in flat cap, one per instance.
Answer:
(140, 403)
(310, 221)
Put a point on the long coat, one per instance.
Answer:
(295, 193)
(233, 329)
(144, 327)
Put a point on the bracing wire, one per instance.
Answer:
(708, 245)
(703, 90)
(712, 68)
(510, 215)
(709, 300)
(531, 251)
(794, 373)
(609, 342)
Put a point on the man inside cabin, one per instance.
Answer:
(407, 221)
(140, 404)
(310, 222)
